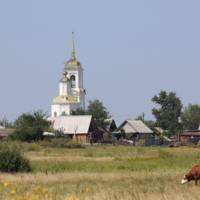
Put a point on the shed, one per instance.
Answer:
(184, 136)
(135, 127)
(80, 128)
(5, 132)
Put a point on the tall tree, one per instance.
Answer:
(34, 118)
(167, 116)
(190, 117)
(99, 113)
(78, 111)
(97, 110)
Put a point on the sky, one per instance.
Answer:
(130, 50)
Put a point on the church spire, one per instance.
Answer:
(73, 52)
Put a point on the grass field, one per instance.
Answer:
(103, 172)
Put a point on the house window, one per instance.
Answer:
(73, 80)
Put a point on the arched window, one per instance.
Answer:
(73, 80)
(55, 114)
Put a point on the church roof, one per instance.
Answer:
(73, 63)
(65, 99)
(65, 78)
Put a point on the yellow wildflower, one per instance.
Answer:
(87, 190)
(37, 187)
(71, 198)
(12, 191)
(6, 184)
(28, 194)
(44, 191)
(78, 199)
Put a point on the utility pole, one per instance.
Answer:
(4, 121)
(143, 117)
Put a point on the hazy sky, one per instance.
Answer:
(129, 50)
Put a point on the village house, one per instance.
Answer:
(5, 132)
(80, 128)
(135, 127)
(186, 135)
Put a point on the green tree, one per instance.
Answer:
(167, 116)
(78, 111)
(139, 118)
(99, 113)
(190, 117)
(122, 134)
(34, 118)
(30, 126)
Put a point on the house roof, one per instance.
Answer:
(190, 133)
(134, 126)
(70, 124)
(7, 131)
(160, 130)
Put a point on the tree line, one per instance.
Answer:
(170, 115)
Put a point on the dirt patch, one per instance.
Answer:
(182, 144)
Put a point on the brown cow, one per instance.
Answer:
(194, 174)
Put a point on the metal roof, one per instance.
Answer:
(190, 133)
(69, 124)
(7, 131)
(134, 126)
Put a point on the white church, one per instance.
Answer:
(71, 90)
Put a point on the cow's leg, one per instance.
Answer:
(195, 179)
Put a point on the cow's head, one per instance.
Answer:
(185, 179)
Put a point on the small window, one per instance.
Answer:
(55, 114)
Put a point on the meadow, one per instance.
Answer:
(103, 172)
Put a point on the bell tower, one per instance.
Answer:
(75, 73)
(71, 90)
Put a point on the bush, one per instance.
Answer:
(11, 160)
(33, 147)
(61, 143)
(27, 134)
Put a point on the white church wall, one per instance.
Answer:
(59, 109)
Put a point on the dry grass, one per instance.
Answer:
(110, 186)
(161, 183)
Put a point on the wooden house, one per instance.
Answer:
(135, 127)
(80, 128)
(5, 132)
(184, 136)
